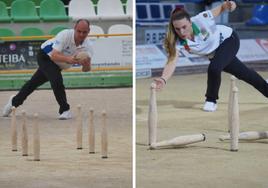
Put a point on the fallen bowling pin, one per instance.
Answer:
(249, 135)
(179, 141)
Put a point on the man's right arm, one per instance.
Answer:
(58, 45)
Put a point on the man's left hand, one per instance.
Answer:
(86, 65)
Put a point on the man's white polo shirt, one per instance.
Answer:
(64, 43)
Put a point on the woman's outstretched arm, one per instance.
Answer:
(167, 73)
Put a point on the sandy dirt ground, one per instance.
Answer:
(62, 165)
(207, 164)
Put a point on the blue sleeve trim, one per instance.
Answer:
(47, 49)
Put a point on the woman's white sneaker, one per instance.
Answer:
(210, 106)
(65, 115)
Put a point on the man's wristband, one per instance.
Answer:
(163, 80)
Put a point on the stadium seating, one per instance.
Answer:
(24, 11)
(191, 1)
(142, 11)
(5, 32)
(95, 2)
(167, 9)
(37, 2)
(95, 30)
(65, 2)
(111, 9)
(147, 1)
(4, 17)
(129, 8)
(53, 10)
(7, 2)
(57, 29)
(154, 13)
(260, 16)
(31, 31)
(254, 1)
(82, 9)
(119, 29)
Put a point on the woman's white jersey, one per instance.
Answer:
(210, 36)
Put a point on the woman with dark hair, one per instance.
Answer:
(200, 35)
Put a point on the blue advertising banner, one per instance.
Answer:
(19, 55)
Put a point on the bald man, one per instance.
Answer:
(55, 55)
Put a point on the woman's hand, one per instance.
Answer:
(229, 5)
(160, 83)
(226, 6)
